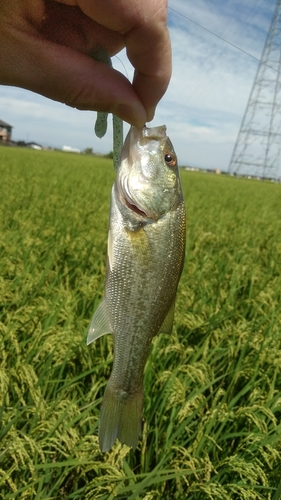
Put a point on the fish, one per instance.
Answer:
(145, 257)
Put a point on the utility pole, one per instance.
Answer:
(257, 151)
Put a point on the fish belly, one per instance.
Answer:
(143, 271)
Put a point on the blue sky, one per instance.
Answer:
(206, 99)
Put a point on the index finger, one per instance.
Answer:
(143, 23)
(149, 50)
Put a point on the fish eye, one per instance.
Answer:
(170, 159)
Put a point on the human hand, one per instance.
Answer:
(45, 46)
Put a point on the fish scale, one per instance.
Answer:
(146, 246)
(146, 300)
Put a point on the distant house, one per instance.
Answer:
(5, 132)
(69, 149)
(33, 145)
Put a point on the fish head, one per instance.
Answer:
(148, 183)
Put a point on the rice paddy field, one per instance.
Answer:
(212, 413)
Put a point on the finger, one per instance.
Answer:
(68, 25)
(65, 75)
(153, 67)
(144, 26)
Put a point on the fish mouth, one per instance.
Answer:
(135, 208)
(130, 202)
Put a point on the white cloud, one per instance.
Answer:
(205, 102)
(50, 123)
(211, 80)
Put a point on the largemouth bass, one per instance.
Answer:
(146, 243)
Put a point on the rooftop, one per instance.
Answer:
(4, 124)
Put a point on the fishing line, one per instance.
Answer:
(221, 38)
(122, 65)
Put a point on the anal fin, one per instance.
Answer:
(167, 324)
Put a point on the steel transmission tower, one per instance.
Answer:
(257, 151)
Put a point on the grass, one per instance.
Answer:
(212, 411)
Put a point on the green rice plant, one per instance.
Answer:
(211, 423)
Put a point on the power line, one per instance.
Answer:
(220, 38)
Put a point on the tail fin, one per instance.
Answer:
(120, 418)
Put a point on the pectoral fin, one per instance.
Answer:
(167, 324)
(100, 324)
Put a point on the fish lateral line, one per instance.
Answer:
(144, 262)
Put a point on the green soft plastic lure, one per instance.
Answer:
(101, 121)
